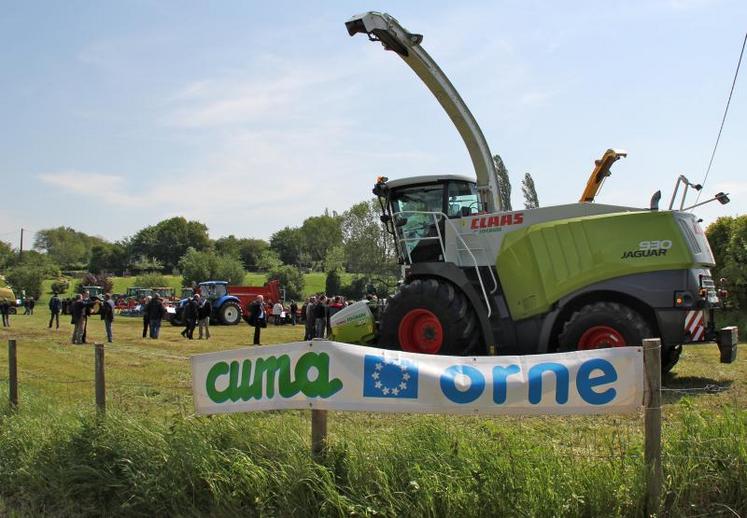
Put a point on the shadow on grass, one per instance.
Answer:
(676, 387)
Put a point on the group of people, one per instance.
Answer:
(153, 314)
(82, 307)
(197, 311)
(317, 311)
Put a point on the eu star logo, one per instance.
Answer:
(389, 378)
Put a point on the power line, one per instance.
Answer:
(723, 120)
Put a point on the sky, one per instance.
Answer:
(252, 116)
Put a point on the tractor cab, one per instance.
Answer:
(213, 290)
(415, 209)
(94, 291)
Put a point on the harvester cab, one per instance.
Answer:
(479, 279)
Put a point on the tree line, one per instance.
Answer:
(354, 241)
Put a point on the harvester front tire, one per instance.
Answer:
(603, 324)
(229, 314)
(430, 316)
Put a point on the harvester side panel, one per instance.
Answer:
(541, 263)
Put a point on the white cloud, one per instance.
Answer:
(105, 187)
(221, 101)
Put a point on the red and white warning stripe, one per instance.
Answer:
(695, 325)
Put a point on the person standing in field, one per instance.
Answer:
(190, 313)
(277, 312)
(309, 315)
(156, 312)
(77, 318)
(54, 308)
(31, 304)
(107, 315)
(257, 317)
(5, 312)
(204, 311)
(146, 317)
(320, 317)
(293, 311)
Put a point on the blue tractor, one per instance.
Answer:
(226, 308)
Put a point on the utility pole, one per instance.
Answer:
(20, 253)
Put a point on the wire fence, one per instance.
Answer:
(618, 440)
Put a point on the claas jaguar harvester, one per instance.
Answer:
(481, 280)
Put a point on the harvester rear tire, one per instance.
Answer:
(229, 314)
(430, 316)
(603, 324)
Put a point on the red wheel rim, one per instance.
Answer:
(599, 337)
(420, 332)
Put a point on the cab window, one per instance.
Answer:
(462, 199)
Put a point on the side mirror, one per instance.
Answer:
(722, 198)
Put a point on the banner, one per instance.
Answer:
(337, 376)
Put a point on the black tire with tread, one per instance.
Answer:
(222, 313)
(625, 320)
(461, 328)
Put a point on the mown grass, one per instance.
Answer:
(150, 455)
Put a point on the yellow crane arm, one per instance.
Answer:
(600, 172)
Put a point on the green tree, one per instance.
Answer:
(66, 246)
(504, 182)
(109, 257)
(42, 262)
(269, 261)
(335, 259)
(333, 284)
(150, 280)
(92, 279)
(203, 266)
(291, 279)
(230, 269)
(728, 239)
(25, 279)
(169, 240)
(248, 250)
(288, 244)
(60, 285)
(369, 248)
(6, 254)
(531, 201)
(320, 233)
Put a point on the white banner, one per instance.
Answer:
(337, 376)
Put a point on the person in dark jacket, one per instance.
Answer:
(257, 317)
(204, 311)
(77, 314)
(107, 315)
(146, 318)
(5, 312)
(156, 312)
(190, 314)
(54, 308)
(320, 317)
(293, 311)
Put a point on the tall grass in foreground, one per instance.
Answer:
(67, 463)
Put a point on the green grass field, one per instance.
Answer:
(150, 455)
(313, 283)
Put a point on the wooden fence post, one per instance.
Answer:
(318, 433)
(652, 458)
(12, 374)
(100, 379)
